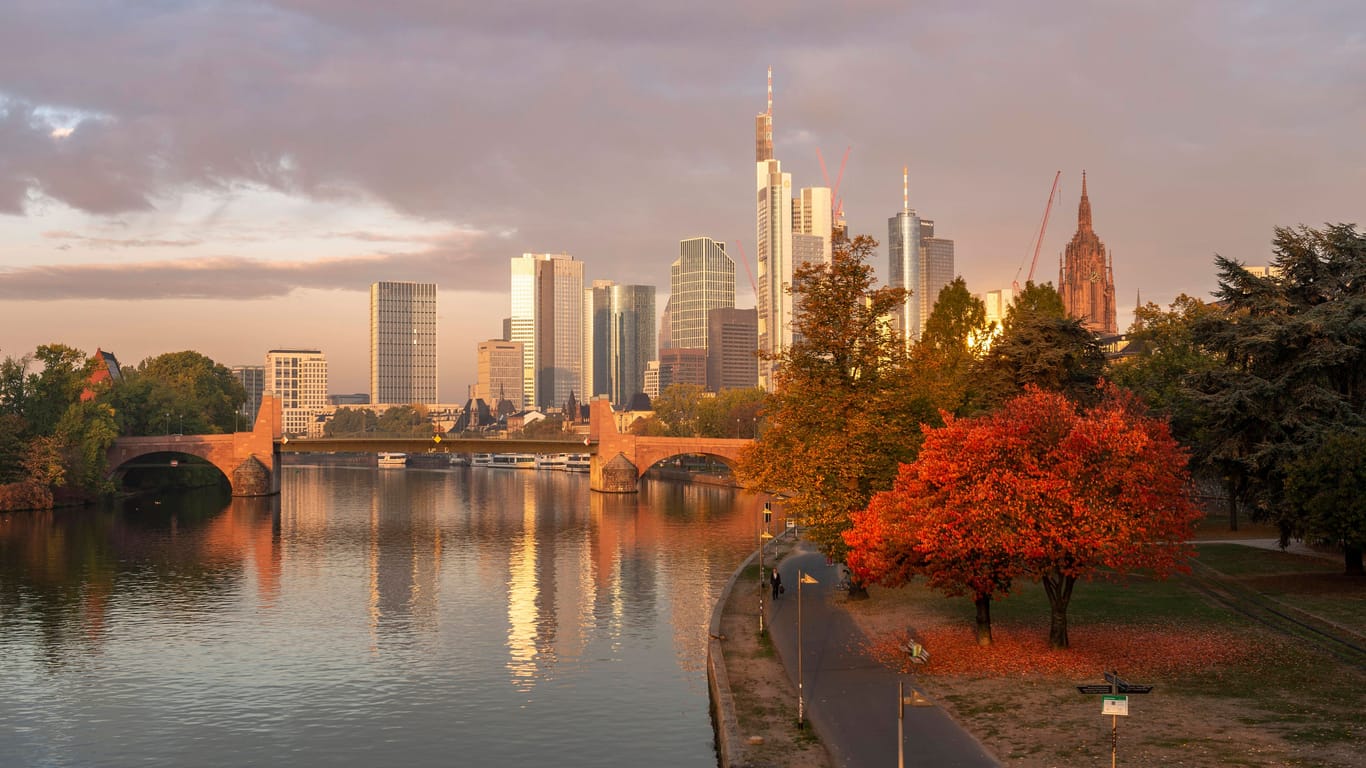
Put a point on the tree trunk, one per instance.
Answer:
(1232, 505)
(1059, 589)
(1353, 556)
(983, 620)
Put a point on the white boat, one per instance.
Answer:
(551, 460)
(482, 460)
(389, 460)
(514, 460)
(577, 462)
(459, 460)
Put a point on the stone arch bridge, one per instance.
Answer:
(621, 459)
(247, 459)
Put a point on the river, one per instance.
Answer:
(365, 617)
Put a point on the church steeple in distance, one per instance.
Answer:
(1084, 210)
(1086, 279)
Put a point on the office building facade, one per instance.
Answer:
(253, 380)
(499, 373)
(732, 341)
(403, 348)
(917, 261)
(548, 320)
(701, 279)
(622, 328)
(298, 378)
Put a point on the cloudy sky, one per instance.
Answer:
(231, 176)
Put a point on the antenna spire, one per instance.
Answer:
(770, 92)
(905, 188)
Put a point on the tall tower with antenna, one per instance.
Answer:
(773, 244)
(904, 260)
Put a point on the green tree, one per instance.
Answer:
(679, 407)
(1327, 483)
(204, 396)
(404, 421)
(839, 421)
(350, 422)
(955, 338)
(84, 434)
(1039, 346)
(732, 413)
(1292, 349)
(66, 371)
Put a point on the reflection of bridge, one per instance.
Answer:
(249, 460)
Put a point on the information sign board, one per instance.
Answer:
(1114, 705)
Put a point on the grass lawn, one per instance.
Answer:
(1227, 689)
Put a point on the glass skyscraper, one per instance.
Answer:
(547, 318)
(623, 333)
(701, 279)
(403, 360)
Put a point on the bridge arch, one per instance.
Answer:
(609, 474)
(247, 459)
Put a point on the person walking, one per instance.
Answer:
(777, 582)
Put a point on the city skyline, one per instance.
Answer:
(200, 178)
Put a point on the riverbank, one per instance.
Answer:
(750, 690)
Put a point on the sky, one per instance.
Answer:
(230, 177)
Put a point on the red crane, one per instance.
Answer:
(836, 202)
(745, 260)
(1038, 241)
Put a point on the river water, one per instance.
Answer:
(472, 616)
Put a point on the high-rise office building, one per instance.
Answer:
(1086, 275)
(298, 377)
(701, 279)
(682, 365)
(547, 318)
(917, 261)
(773, 247)
(812, 215)
(732, 339)
(403, 361)
(499, 375)
(253, 379)
(623, 332)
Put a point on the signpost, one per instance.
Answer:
(1115, 703)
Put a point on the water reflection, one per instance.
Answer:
(368, 617)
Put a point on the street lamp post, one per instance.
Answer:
(764, 536)
(802, 578)
(168, 423)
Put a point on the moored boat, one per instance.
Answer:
(577, 462)
(390, 460)
(481, 460)
(514, 460)
(551, 460)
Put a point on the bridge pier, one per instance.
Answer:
(622, 458)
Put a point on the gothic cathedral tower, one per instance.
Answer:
(1086, 277)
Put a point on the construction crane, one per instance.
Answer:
(1038, 241)
(745, 260)
(836, 202)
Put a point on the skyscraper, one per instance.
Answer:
(253, 378)
(499, 373)
(1086, 275)
(812, 215)
(773, 249)
(624, 341)
(547, 318)
(403, 361)
(701, 279)
(732, 337)
(298, 377)
(917, 261)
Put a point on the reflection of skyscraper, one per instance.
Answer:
(1086, 277)
(403, 343)
(547, 317)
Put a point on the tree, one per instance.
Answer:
(1292, 352)
(65, 373)
(404, 421)
(679, 407)
(840, 419)
(203, 396)
(347, 422)
(1328, 485)
(733, 413)
(955, 337)
(1040, 347)
(1037, 489)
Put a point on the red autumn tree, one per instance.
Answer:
(1037, 489)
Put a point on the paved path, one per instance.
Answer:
(850, 699)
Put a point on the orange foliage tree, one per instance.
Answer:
(1039, 489)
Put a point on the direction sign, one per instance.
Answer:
(1093, 689)
(1114, 705)
(1131, 688)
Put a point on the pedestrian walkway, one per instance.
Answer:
(850, 699)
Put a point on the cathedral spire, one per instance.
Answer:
(1084, 210)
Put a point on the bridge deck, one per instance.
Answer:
(428, 445)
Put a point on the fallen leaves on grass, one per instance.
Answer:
(1017, 649)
